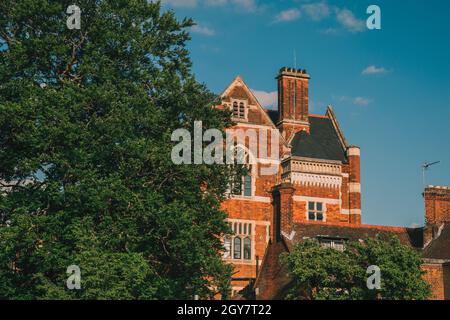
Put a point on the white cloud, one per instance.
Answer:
(321, 11)
(330, 31)
(348, 20)
(374, 70)
(316, 11)
(181, 3)
(247, 5)
(216, 2)
(359, 101)
(287, 15)
(203, 30)
(266, 99)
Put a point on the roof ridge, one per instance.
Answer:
(358, 226)
(337, 127)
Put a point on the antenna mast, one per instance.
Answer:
(425, 167)
(295, 59)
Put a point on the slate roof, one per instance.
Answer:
(408, 236)
(439, 248)
(273, 280)
(322, 142)
(273, 115)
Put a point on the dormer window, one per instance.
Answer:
(240, 109)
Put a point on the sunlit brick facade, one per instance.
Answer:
(315, 192)
(318, 177)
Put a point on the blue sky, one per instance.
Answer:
(390, 88)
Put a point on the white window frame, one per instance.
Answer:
(337, 244)
(239, 102)
(252, 173)
(243, 229)
(324, 211)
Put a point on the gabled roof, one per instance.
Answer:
(323, 141)
(238, 89)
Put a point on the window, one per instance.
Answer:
(247, 249)
(227, 246)
(239, 109)
(235, 109)
(239, 246)
(236, 186)
(337, 244)
(315, 211)
(243, 185)
(247, 186)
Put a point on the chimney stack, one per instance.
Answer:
(437, 205)
(293, 102)
(437, 211)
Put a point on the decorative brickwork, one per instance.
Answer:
(438, 275)
(327, 177)
(316, 191)
(437, 204)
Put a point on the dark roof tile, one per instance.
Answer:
(439, 248)
(322, 142)
(407, 236)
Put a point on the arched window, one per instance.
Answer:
(247, 249)
(243, 185)
(227, 247)
(237, 248)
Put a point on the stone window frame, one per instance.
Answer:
(253, 164)
(242, 229)
(240, 104)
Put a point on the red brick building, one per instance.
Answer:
(315, 193)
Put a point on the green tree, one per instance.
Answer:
(320, 273)
(86, 118)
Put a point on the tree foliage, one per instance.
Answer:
(320, 273)
(86, 118)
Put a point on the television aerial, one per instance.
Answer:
(425, 168)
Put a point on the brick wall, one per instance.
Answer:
(435, 277)
(437, 205)
(273, 276)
